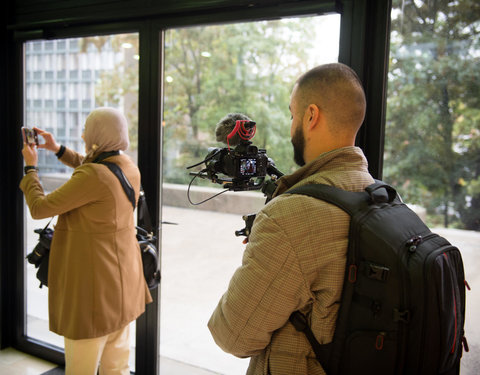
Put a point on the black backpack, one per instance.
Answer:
(403, 301)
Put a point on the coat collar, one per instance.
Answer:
(341, 158)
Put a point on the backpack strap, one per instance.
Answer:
(351, 202)
(322, 351)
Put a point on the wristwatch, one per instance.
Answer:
(60, 152)
(28, 168)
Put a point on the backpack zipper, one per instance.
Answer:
(433, 254)
(411, 245)
(455, 309)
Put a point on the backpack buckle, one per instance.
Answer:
(401, 316)
(377, 272)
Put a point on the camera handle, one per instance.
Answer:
(248, 225)
(268, 188)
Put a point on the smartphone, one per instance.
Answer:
(30, 136)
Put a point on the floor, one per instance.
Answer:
(13, 362)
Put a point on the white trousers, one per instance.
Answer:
(107, 354)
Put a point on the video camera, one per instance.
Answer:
(241, 168)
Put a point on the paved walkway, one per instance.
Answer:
(199, 255)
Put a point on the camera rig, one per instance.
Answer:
(242, 168)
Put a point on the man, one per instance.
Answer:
(296, 254)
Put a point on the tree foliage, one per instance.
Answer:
(433, 139)
(215, 70)
(118, 87)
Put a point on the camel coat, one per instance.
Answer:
(295, 260)
(95, 283)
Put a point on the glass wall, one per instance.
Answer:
(211, 71)
(65, 80)
(432, 142)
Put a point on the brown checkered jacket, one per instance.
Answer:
(295, 259)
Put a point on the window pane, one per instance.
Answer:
(432, 145)
(211, 71)
(65, 80)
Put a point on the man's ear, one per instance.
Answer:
(312, 116)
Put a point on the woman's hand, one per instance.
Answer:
(29, 153)
(50, 143)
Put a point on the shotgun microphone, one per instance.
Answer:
(226, 126)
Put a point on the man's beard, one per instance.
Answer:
(298, 142)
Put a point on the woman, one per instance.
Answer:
(95, 283)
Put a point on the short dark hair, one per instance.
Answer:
(337, 90)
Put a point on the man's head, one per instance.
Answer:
(328, 107)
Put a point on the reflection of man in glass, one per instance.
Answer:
(296, 254)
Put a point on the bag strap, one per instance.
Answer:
(143, 214)
(46, 226)
(127, 187)
(105, 155)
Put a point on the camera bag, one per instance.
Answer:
(402, 309)
(40, 255)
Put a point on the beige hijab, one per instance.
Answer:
(106, 129)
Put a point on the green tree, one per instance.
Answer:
(119, 86)
(432, 117)
(214, 70)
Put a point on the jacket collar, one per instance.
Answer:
(340, 158)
